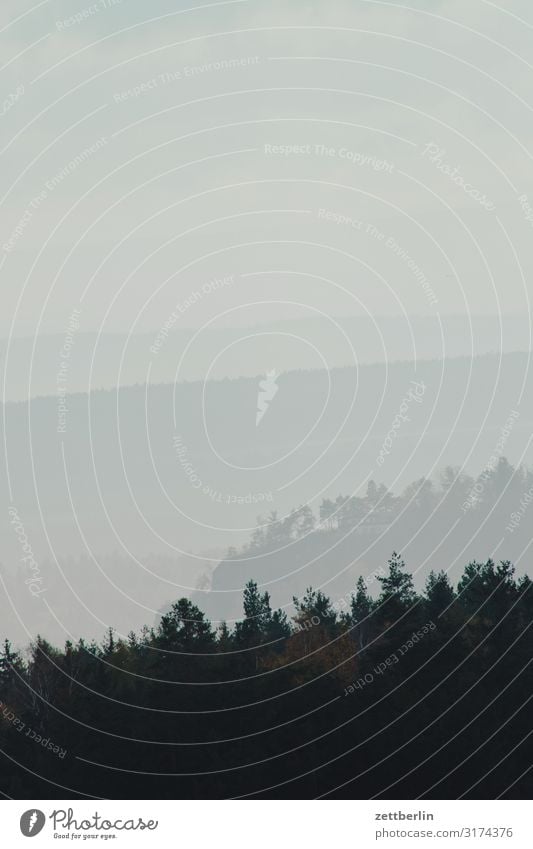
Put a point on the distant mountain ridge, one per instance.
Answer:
(121, 360)
(175, 471)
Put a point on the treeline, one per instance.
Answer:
(387, 692)
(500, 489)
(469, 516)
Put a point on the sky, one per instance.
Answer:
(202, 191)
(355, 158)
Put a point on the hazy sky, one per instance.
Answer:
(217, 166)
(236, 139)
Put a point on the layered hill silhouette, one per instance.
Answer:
(111, 475)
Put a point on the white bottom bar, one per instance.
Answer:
(268, 824)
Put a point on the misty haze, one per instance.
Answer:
(267, 407)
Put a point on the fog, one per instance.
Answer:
(253, 258)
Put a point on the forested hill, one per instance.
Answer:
(98, 359)
(119, 531)
(392, 694)
(118, 448)
(436, 522)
